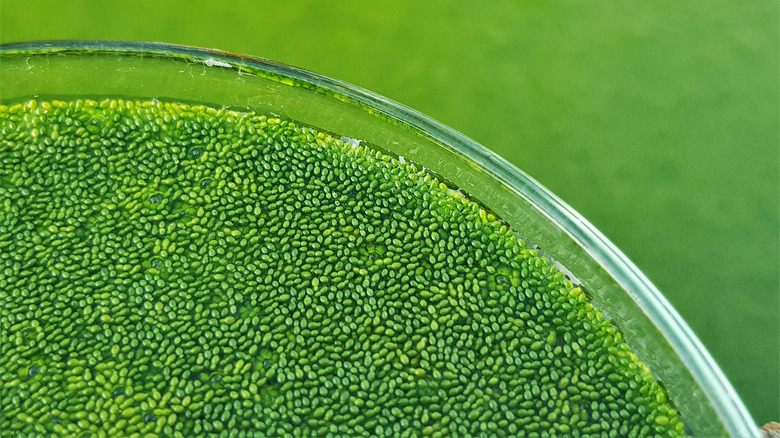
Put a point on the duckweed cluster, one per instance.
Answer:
(174, 270)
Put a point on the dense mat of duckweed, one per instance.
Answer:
(175, 270)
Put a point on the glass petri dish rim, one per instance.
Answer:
(716, 387)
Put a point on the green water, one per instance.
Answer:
(657, 121)
(183, 270)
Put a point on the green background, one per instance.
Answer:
(658, 121)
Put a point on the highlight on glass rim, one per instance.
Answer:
(175, 264)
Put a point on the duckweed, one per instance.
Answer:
(175, 270)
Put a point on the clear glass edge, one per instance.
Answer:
(718, 390)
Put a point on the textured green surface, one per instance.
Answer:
(657, 121)
(179, 270)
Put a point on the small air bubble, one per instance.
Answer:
(353, 141)
(35, 369)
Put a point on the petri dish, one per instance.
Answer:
(68, 70)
